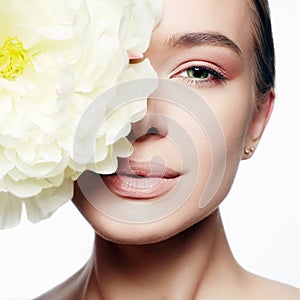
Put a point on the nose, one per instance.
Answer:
(152, 124)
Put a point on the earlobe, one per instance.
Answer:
(258, 123)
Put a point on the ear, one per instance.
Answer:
(258, 123)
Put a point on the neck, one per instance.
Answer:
(182, 267)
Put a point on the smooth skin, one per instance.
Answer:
(185, 255)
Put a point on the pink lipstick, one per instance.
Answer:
(141, 180)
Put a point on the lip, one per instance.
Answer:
(141, 180)
(146, 169)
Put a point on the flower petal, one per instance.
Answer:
(45, 204)
(10, 210)
(75, 50)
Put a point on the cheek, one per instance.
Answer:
(232, 108)
(235, 120)
(233, 105)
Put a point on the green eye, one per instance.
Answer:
(198, 73)
(201, 76)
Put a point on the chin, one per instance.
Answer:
(138, 234)
(146, 233)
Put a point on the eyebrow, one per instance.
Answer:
(201, 38)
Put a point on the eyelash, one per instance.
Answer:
(214, 77)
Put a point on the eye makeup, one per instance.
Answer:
(200, 74)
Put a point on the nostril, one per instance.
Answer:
(152, 130)
(150, 125)
(133, 137)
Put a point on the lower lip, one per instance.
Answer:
(139, 188)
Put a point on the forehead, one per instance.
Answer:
(226, 17)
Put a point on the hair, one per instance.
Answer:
(264, 58)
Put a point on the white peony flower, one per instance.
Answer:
(56, 57)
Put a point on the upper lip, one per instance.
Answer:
(146, 169)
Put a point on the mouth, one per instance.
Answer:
(141, 180)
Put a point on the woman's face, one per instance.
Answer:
(205, 46)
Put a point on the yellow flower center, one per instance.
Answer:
(14, 59)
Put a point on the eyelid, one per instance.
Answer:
(213, 75)
(216, 76)
(201, 64)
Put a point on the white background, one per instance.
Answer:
(261, 214)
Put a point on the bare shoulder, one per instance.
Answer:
(268, 289)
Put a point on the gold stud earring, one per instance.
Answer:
(248, 150)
